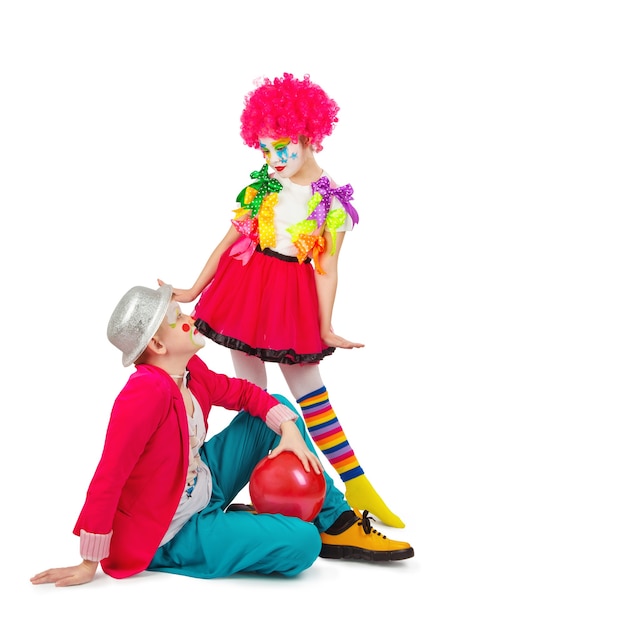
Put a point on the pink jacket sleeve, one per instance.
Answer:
(235, 394)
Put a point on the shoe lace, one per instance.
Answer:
(366, 523)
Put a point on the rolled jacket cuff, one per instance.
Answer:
(279, 414)
(94, 547)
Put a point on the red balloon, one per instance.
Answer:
(282, 485)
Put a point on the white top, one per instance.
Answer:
(199, 486)
(292, 208)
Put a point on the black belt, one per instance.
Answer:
(278, 255)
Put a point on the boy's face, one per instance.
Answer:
(282, 155)
(178, 331)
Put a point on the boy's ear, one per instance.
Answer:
(155, 346)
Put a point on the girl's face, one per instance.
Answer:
(282, 155)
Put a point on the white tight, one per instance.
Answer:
(301, 379)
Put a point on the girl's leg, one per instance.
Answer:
(305, 383)
(249, 368)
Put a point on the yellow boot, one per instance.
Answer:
(361, 495)
(357, 540)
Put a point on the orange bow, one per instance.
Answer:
(310, 245)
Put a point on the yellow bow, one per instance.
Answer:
(267, 233)
(249, 195)
(240, 214)
(303, 227)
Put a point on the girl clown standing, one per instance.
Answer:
(268, 289)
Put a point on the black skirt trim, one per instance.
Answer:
(287, 356)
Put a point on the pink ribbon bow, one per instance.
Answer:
(245, 247)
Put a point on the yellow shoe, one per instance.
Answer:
(358, 541)
(361, 495)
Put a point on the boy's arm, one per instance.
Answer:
(237, 394)
(293, 441)
(135, 416)
(126, 438)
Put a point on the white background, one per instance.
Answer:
(485, 143)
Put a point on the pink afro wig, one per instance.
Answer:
(288, 107)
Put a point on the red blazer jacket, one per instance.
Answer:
(142, 471)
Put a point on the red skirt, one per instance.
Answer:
(267, 308)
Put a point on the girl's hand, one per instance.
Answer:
(180, 295)
(335, 341)
(292, 440)
(67, 576)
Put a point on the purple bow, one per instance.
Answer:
(343, 194)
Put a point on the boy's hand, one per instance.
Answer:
(67, 576)
(292, 440)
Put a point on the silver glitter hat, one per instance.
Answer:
(136, 318)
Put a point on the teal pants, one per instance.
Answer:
(215, 544)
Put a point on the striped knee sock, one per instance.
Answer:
(326, 432)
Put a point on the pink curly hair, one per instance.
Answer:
(288, 107)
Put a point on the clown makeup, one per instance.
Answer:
(282, 155)
(172, 314)
(176, 318)
(197, 338)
